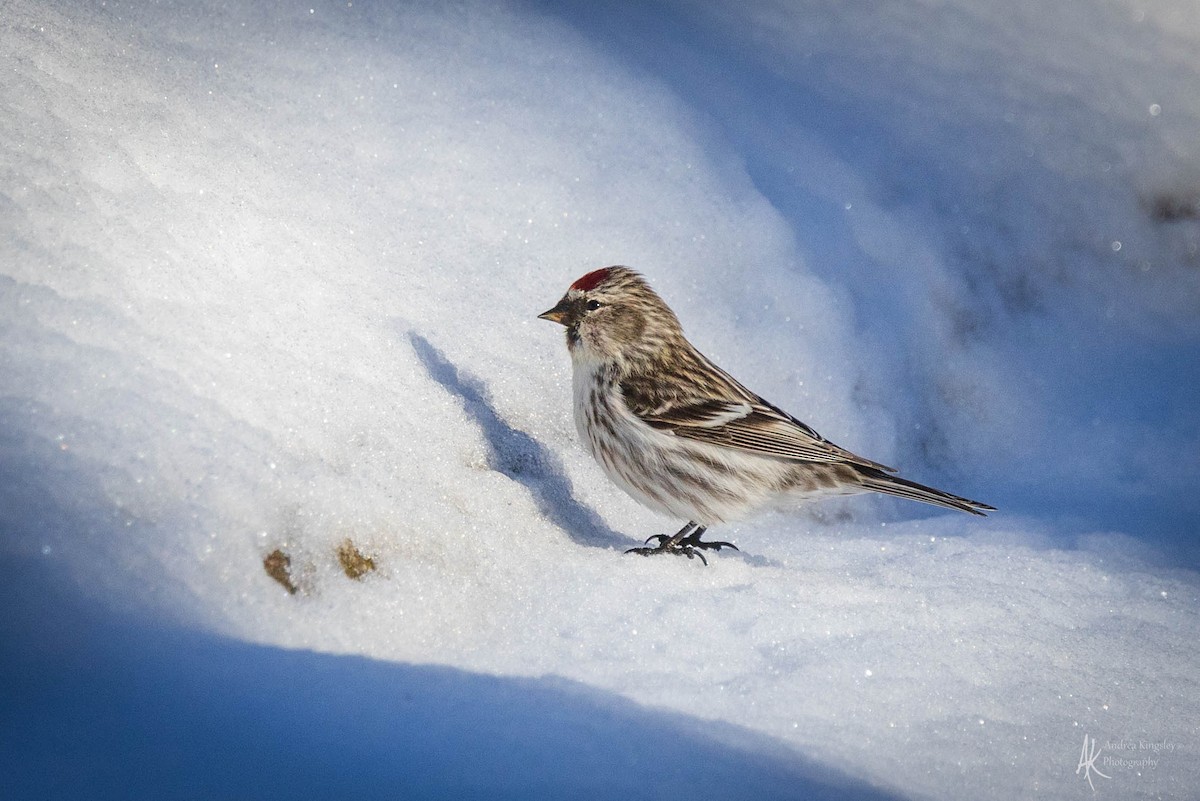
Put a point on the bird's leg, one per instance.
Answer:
(668, 540)
(685, 542)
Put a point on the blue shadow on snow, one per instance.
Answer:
(518, 455)
(100, 708)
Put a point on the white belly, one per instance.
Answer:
(676, 477)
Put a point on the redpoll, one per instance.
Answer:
(680, 435)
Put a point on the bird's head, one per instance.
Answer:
(612, 314)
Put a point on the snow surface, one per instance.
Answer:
(268, 279)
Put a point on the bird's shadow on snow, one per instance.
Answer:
(516, 454)
(102, 707)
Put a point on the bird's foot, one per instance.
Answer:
(678, 548)
(685, 542)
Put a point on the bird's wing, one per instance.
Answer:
(734, 417)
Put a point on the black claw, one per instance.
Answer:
(715, 545)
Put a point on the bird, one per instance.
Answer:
(682, 436)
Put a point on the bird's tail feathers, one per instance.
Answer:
(878, 481)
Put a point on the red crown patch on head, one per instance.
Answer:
(591, 280)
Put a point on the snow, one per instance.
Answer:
(269, 278)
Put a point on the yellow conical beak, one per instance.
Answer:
(556, 315)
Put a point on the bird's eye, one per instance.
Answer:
(592, 305)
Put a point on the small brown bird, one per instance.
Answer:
(684, 438)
